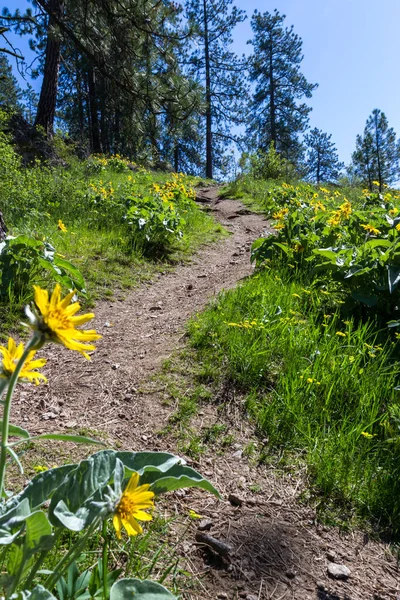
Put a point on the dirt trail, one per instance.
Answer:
(279, 549)
(138, 333)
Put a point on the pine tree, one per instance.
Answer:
(276, 113)
(219, 69)
(10, 92)
(322, 160)
(377, 154)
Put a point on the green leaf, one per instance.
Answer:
(38, 532)
(16, 431)
(15, 458)
(126, 589)
(73, 271)
(326, 252)
(11, 522)
(283, 247)
(42, 486)
(79, 499)
(38, 593)
(165, 472)
(73, 521)
(377, 243)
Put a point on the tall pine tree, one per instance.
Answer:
(322, 161)
(377, 154)
(276, 113)
(10, 92)
(219, 69)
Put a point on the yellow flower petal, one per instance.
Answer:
(58, 323)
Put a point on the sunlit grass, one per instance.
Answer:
(319, 385)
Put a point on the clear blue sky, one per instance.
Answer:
(351, 50)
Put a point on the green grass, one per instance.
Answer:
(320, 386)
(98, 239)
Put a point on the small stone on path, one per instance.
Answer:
(205, 525)
(338, 571)
(235, 500)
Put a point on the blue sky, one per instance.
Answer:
(350, 49)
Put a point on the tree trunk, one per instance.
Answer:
(81, 113)
(209, 153)
(3, 228)
(48, 94)
(94, 117)
(272, 107)
(104, 132)
(176, 157)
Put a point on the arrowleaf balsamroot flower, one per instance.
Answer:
(55, 320)
(131, 506)
(61, 226)
(11, 356)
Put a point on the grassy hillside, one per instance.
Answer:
(99, 225)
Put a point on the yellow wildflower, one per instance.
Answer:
(61, 226)
(56, 320)
(279, 226)
(281, 213)
(367, 435)
(194, 515)
(130, 508)
(393, 212)
(397, 227)
(341, 334)
(370, 229)
(11, 356)
(40, 469)
(375, 183)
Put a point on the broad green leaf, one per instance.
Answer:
(165, 472)
(259, 242)
(393, 323)
(42, 486)
(72, 521)
(38, 532)
(157, 461)
(73, 271)
(378, 244)
(38, 593)
(326, 252)
(283, 247)
(127, 589)
(12, 521)
(79, 499)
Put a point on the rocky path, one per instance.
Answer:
(278, 549)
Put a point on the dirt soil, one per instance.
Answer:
(277, 549)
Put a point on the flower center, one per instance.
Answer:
(126, 506)
(57, 319)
